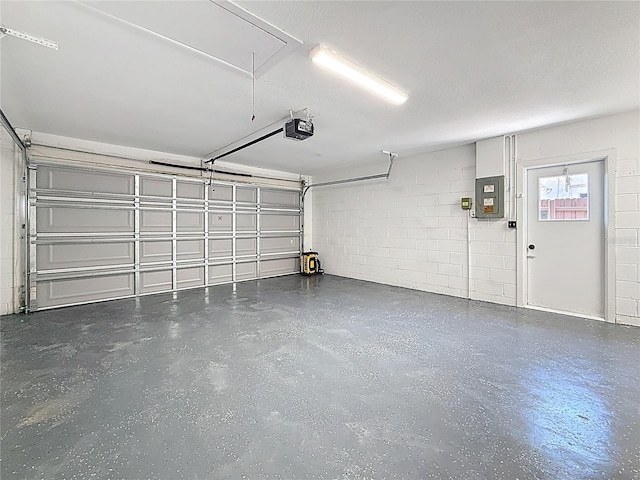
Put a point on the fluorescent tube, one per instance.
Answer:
(331, 60)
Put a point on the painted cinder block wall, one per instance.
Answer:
(410, 231)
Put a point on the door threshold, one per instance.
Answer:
(571, 314)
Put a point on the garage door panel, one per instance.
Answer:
(222, 247)
(279, 222)
(246, 222)
(190, 190)
(220, 274)
(246, 246)
(246, 271)
(246, 194)
(190, 277)
(222, 193)
(158, 281)
(55, 256)
(279, 266)
(220, 222)
(190, 249)
(279, 244)
(87, 237)
(78, 290)
(82, 181)
(190, 222)
(155, 251)
(83, 220)
(156, 187)
(155, 221)
(280, 197)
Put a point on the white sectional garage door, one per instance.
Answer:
(98, 234)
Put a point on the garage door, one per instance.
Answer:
(97, 234)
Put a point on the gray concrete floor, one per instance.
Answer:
(320, 377)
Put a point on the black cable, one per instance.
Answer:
(173, 165)
(200, 169)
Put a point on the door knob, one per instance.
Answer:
(531, 247)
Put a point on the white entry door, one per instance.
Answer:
(566, 238)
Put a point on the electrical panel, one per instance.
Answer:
(490, 197)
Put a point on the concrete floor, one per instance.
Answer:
(319, 377)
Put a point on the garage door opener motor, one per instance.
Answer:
(311, 264)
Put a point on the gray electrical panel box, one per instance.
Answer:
(490, 197)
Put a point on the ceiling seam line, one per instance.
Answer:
(169, 39)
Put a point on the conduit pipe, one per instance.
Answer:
(514, 177)
(509, 187)
(469, 217)
(511, 175)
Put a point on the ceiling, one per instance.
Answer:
(472, 70)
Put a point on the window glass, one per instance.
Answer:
(565, 197)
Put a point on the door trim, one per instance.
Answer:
(560, 312)
(609, 157)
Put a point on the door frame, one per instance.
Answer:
(522, 167)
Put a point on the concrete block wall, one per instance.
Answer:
(493, 258)
(7, 223)
(411, 232)
(628, 240)
(627, 221)
(408, 231)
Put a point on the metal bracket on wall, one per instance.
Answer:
(7, 125)
(392, 157)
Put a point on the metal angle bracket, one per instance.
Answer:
(26, 36)
(392, 157)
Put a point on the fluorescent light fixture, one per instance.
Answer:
(25, 36)
(340, 65)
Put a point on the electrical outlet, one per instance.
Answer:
(512, 224)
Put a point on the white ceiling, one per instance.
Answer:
(472, 70)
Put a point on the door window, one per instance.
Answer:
(563, 197)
